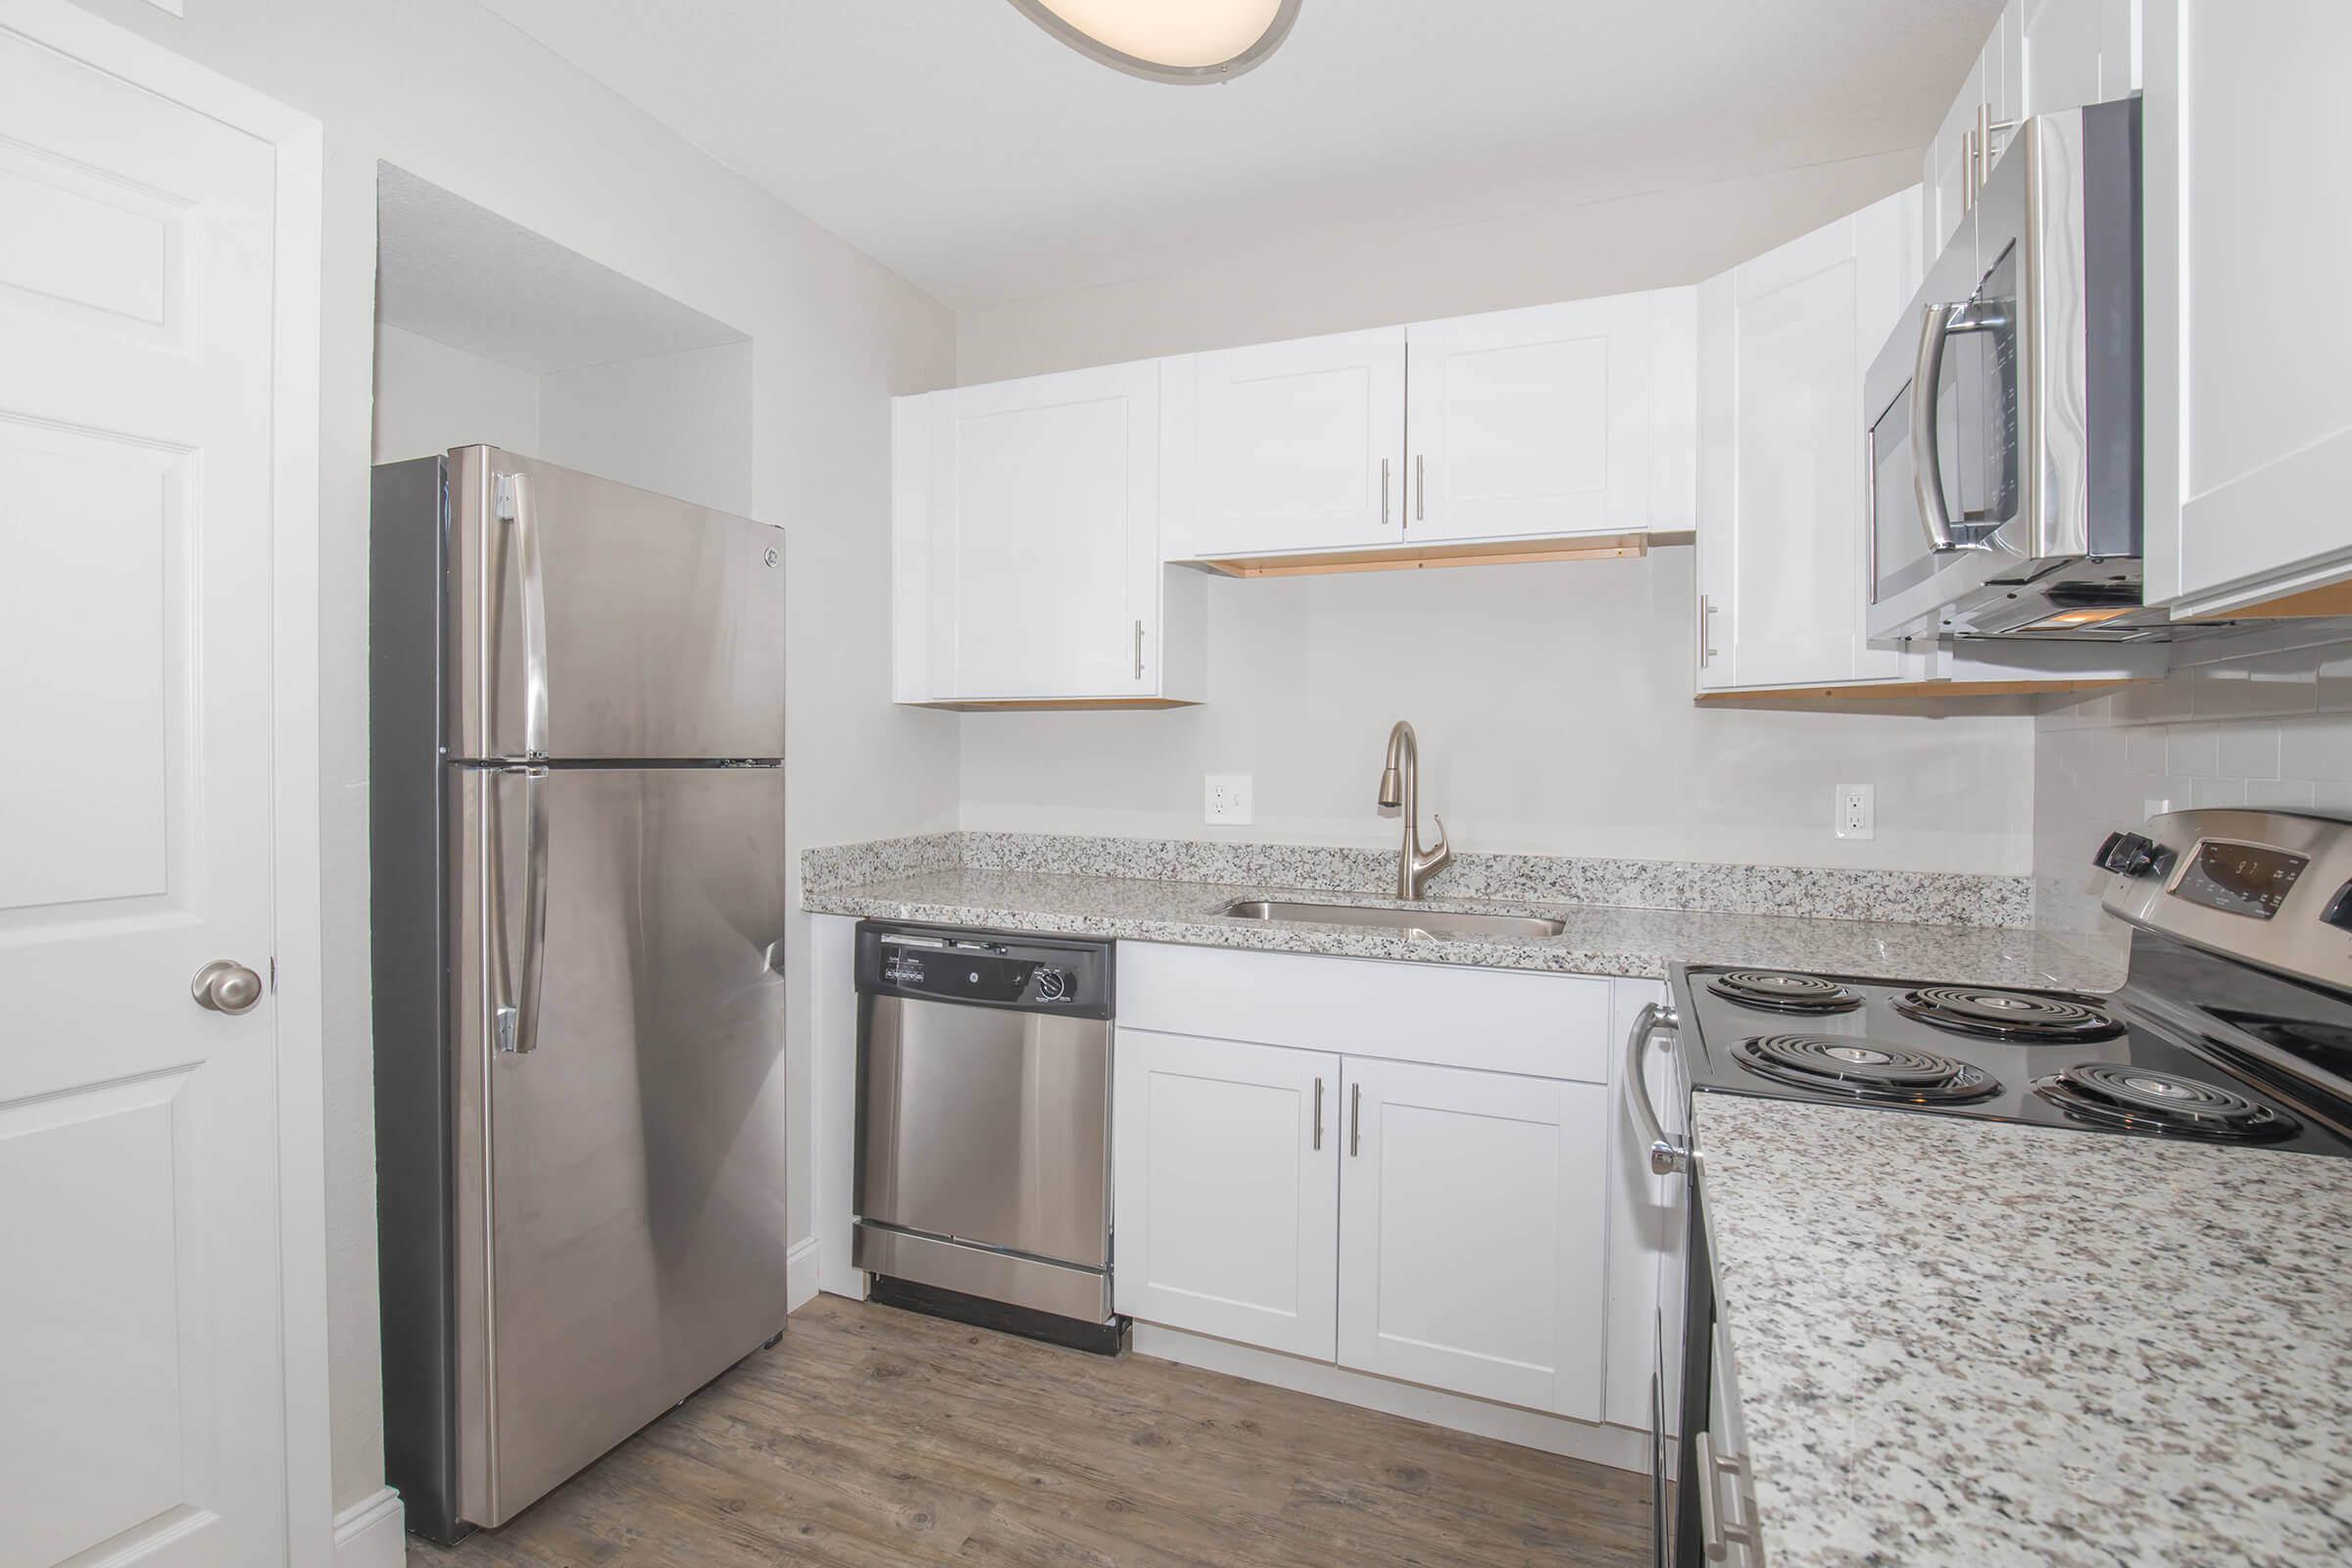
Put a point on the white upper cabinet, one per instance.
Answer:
(1026, 547)
(2078, 52)
(1554, 421)
(1948, 170)
(1293, 446)
(2248, 228)
(1546, 422)
(1784, 342)
(2041, 56)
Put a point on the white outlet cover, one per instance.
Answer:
(1225, 799)
(1857, 814)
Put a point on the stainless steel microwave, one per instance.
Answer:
(2004, 415)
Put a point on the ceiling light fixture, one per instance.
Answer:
(1169, 40)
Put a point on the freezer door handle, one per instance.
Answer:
(515, 509)
(518, 1014)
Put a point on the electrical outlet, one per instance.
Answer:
(1857, 812)
(1225, 799)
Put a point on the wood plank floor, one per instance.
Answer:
(873, 1436)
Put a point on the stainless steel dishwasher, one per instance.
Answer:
(983, 1185)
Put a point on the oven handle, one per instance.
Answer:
(1666, 1156)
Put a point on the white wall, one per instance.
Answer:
(1554, 708)
(444, 90)
(2255, 718)
(679, 423)
(1553, 702)
(430, 397)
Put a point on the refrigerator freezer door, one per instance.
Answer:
(621, 1205)
(594, 620)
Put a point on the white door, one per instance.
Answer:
(1472, 1221)
(1530, 423)
(1051, 487)
(1227, 1189)
(141, 1408)
(1299, 446)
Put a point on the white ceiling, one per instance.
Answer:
(464, 277)
(961, 145)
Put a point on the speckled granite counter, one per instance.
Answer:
(1967, 1344)
(1598, 940)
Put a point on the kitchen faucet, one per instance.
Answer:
(1401, 786)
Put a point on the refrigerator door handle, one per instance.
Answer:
(515, 509)
(518, 1016)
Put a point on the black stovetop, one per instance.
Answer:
(2263, 1053)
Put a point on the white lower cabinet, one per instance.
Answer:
(1471, 1233)
(1445, 1222)
(1227, 1189)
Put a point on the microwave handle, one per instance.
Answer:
(1926, 464)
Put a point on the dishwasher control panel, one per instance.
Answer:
(985, 968)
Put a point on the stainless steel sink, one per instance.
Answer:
(1428, 925)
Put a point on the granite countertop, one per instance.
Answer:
(1599, 940)
(1967, 1343)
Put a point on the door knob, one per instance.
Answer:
(227, 986)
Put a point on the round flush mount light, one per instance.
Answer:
(1169, 40)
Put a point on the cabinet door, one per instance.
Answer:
(2249, 464)
(1785, 343)
(1226, 1189)
(2077, 52)
(1530, 423)
(1047, 493)
(1299, 446)
(1472, 1220)
(1949, 171)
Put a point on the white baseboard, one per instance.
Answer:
(1619, 1448)
(371, 1533)
(800, 1274)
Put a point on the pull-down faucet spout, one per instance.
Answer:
(1401, 788)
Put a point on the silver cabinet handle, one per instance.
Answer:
(1356, 1120)
(1139, 650)
(1706, 630)
(1318, 1114)
(1384, 492)
(518, 1017)
(1420, 487)
(227, 986)
(1666, 1156)
(515, 510)
(1968, 171)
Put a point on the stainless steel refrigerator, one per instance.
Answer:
(576, 817)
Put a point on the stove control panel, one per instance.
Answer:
(2269, 888)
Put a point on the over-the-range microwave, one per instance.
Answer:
(2004, 415)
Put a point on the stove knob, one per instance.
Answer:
(2129, 855)
(2339, 908)
(1052, 985)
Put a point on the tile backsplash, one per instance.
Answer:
(2261, 716)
